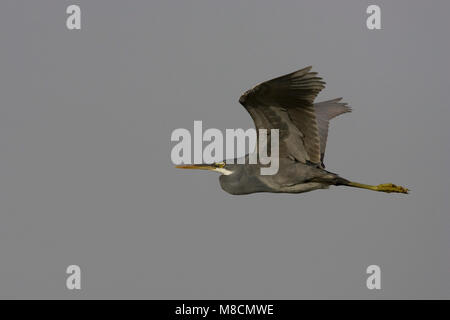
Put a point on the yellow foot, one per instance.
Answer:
(390, 187)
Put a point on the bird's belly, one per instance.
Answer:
(295, 178)
(284, 185)
(292, 177)
(304, 187)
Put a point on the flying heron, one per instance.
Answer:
(287, 103)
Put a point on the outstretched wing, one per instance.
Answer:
(286, 103)
(325, 111)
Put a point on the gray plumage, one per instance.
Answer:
(292, 177)
(287, 103)
(325, 111)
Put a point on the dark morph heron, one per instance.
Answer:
(287, 103)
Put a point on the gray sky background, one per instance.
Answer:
(85, 170)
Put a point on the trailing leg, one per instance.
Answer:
(385, 187)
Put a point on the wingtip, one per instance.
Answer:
(344, 104)
(302, 71)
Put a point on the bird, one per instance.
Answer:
(287, 103)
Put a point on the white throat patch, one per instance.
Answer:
(223, 171)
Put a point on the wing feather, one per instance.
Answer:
(325, 111)
(286, 103)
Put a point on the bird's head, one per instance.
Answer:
(222, 167)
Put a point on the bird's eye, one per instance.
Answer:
(220, 164)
